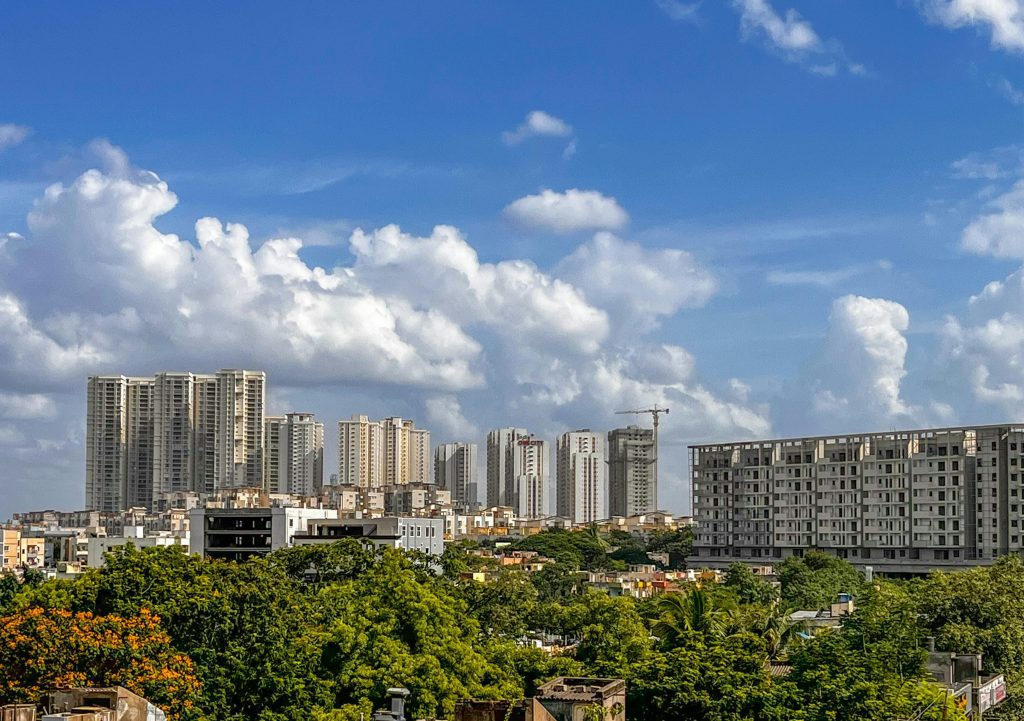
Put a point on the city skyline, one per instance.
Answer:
(762, 216)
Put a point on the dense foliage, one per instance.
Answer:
(321, 632)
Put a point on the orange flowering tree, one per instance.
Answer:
(42, 649)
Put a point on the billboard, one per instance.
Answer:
(991, 693)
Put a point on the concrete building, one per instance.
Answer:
(294, 454)
(237, 533)
(632, 471)
(10, 549)
(581, 478)
(360, 452)
(530, 477)
(894, 500)
(500, 475)
(382, 453)
(241, 399)
(106, 443)
(99, 545)
(407, 534)
(455, 471)
(562, 699)
(172, 433)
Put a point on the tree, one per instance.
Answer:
(579, 549)
(692, 611)
(48, 648)
(503, 606)
(677, 544)
(610, 635)
(708, 679)
(815, 580)
(749, 588)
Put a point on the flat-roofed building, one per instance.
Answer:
(894, 500)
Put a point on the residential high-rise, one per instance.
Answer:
(172, 432)
(106, 443)
(455, 470)
(406, 452)
(500, 484)
(140, 439)
(581, 480)
(360, 452)
(294, 454)
(389, 452)
(529, 477)
(172, 423)
(894, 500)
(241, 397)
(632, 474)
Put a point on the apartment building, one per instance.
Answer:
(170, 433)
(581, 476)
(241, 398)
(632, 471)
(388, 452)
(894, 500)
(294, 454)
(500, 474)
(529, 477)
(455, 471)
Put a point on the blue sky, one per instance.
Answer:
(770, 215)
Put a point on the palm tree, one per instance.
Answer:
(775, 627)
(692, 611)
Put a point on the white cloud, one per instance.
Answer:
(1009, 91)
(417, 322)
(19, 406)
(823, 278)
(793, 38)
(1004, 19)
(567, 212)
(986, 344)
(538, 124)
(992, 164)
(638, 286)
(680, 11)
(858, 379)
(999, 233)
(11, 135)
(446, 420)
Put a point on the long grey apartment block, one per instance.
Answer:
(899, 501)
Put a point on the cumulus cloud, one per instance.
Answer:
(20, 406)
(419, 321)
(637, 285)
(1003, 19)
(538, 124)
(11, 135)
(862, 367)
(567, 212)
(793, 38)
(446, 420)
(986, 344)
(999, 233)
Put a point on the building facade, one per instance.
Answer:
(581, 476)
(171, 433)
(388, 452)
(455, 471)
(294, 454)
(632, 471)
(530, 477)
(500, 474)
(894, 500)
